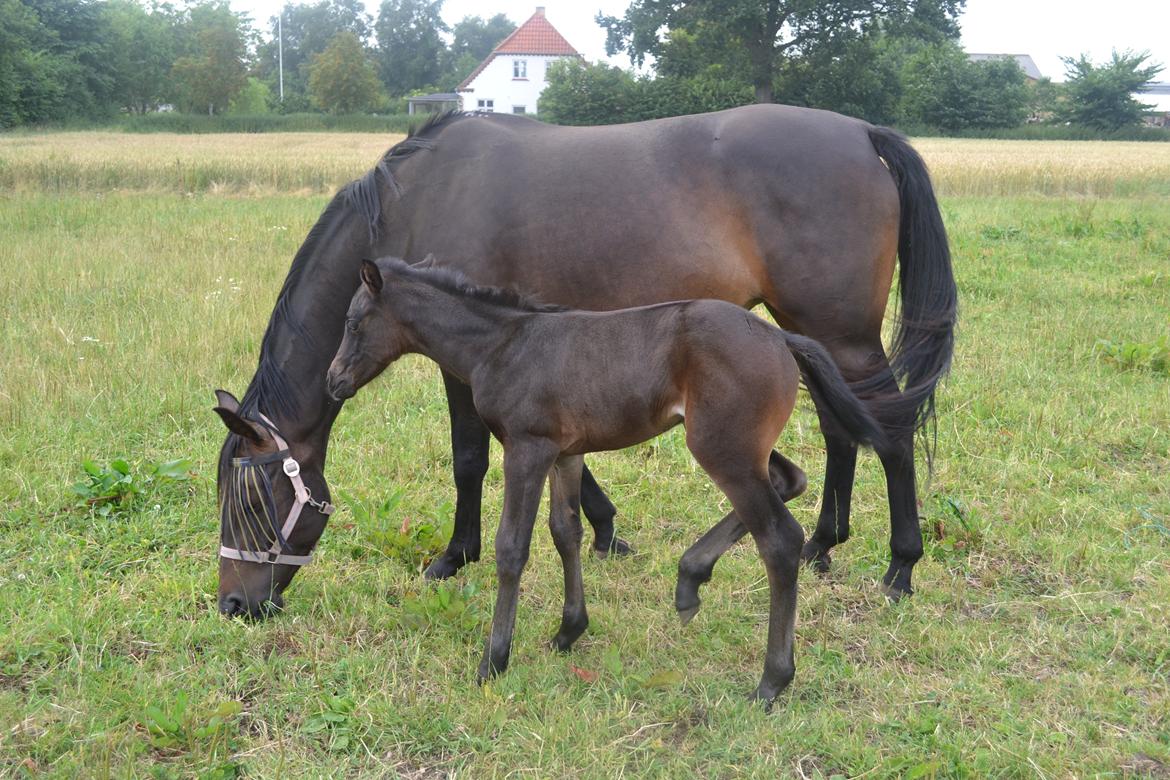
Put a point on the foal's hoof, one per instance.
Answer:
(686, 615)
(816, 557)
(619, 547)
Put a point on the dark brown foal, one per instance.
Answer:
(555, 384)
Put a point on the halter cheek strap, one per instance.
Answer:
(292, 470)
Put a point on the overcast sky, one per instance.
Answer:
(1046, 29)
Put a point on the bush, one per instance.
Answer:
(269, 123)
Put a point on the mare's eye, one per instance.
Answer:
(351, 325)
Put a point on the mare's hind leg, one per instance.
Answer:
(833, 523)
(697, 564)
(564, 521)
(897, 458)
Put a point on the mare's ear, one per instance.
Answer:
(371, 276)
(426, 262)
(238, 425)
(227, 401)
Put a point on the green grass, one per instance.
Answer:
(1037, 644)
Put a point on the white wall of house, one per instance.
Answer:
(507, 92)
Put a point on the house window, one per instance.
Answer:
(519, 69)
(486, 105)
(519, 110)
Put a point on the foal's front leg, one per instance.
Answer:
(526, 465)
(564, 520)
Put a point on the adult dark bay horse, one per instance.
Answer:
(552, 385)
(804, 211)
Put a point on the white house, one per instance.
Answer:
(512, 77)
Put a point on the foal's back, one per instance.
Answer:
(607, 380)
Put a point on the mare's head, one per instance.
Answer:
(373, 338)
(272, 512)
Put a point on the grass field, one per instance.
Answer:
(1038, 643)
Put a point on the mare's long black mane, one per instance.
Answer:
(271, 390)
(454, 282)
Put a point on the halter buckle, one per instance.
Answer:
(291, 468)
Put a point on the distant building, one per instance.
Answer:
(1156, 95)
(432, 104)
(512, 77)
(1025, 61)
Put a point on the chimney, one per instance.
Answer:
(539, 10)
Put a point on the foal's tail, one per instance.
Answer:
(831, 393)
(925, 336)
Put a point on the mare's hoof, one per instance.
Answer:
(446, 566)
(816, 557)
(896, 583)
(686, 615)
(619, 547)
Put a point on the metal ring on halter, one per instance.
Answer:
(302, 496)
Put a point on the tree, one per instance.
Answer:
(761, 33)
(143, 54)
(1101, 97)
(214, 72)
(410, 49)
(307, 31)
(945, 90)
(341, 79)
(473, 40)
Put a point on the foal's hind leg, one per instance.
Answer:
(697, 564)
(600, 511)
(564, 521)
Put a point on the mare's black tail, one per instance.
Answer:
(920, 354)
(830, 392)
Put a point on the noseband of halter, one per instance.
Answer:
(292, 470)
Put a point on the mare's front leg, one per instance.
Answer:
(526, 465)
(470, 443)
(698, 563)
(564, 520)
(600, 511)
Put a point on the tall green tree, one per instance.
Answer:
(1102, 96)
(30, 87)
(214, 71)
(341, 78)
(473, 39)
(944, 90)
(410, 44)
(307, 31)
(146, 45)
(762, 34)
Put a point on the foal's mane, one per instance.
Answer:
(454, 282)
(271, 389)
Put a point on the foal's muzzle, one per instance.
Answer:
(339, 387)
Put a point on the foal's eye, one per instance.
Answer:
(351, 325)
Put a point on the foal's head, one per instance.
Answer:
(373, 337)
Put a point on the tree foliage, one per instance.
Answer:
(214, 70)
(410, 46)
(1101, 96)
(758, 36)
(307, 31)
(584, 94)
(945, 90)
(341, 78)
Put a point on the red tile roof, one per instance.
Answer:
(537, 36)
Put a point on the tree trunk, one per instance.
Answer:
(764, 92)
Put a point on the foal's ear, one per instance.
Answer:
(227, 400)
(372, 276)
(238, 425)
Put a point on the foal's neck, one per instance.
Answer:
(455, 331)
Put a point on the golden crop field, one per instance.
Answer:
(320, 162)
